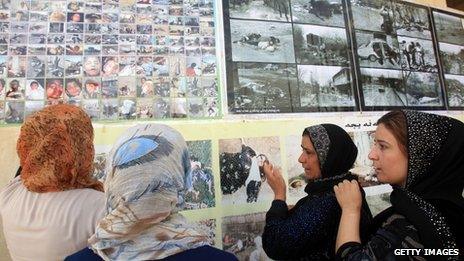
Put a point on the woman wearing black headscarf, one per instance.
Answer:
(308, 230)
(422, 156)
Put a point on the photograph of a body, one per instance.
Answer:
(450, 28)
(278, 10)
(320, 12)
(455, 90)
(452, 57)
(264, 87)
(241, 163)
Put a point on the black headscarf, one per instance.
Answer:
(432, 197)
(336, 153)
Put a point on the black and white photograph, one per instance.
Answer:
(241, 236)
(417, 55)
(209, 86)
(16, 89)
(452, 57)
(363, 166)
(411, 20)
(377, 50)
(16, 66)
(320, 45)
(325, 86)
(278, 10)
(455, 90)
(258, 41)
(378, 203)
(373, 15)
(35, 89)
(200, 179)
(382, 87)
(321, 12)
(241, 163)
(211, 107)
(36, 66)
(73, 66)
(261, 87)
(178, 107)
(423, 89)
(109, 88)
(450, 28)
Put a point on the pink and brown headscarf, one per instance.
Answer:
(55, 149)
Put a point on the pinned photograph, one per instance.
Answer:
(452, 57)
(318, 12)
(320, 45)
(110, 66)
(145, 87)
(144, 109)
(17, 50)
(450, 28)
(257, 41)
(378, 50)
(75, 6)
(55, 49)
(325, 86)
(378, 203)
(423, 89)
(208, 64)
(55, 66)
(73, 88)
(411, 20)
(260, 9)
(16, 89)
(92, 49)
(109, 109)
(75, 17)
(14, 112)
(126, 87)
(3, 88)
(209, 86)
(455, 88)
(18, 38)
(383, 88)
(55, 39)
(177, 66)
(92, 66)
(92, 108)
(54, 88)
(2, 111)
(56, 28)
(35, 89)
(241, 235)
(195, 108)
(16, 66)
(37, 50)
(178, 108)
(417, 55)
(211, 107)
(241, 163)
(373, 15)
(91, 88)
(73, 66)
(200, 180)
(74, 28)
(193, 87)
(32, 106)
(36, 66)
(127, 109)
(162, 87)
(264, 87)
(127, 65)
(161, 108)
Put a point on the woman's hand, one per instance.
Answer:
(275, 181)
(348, 196)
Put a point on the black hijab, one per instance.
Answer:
(432, 197)
(336, 153)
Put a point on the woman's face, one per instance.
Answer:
(390, 162)
(92, 66)
(73, 89)
(110, 67)
(309, 160)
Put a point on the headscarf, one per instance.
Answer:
(145, 185)
(432, 197)
(55, 149)
(336, 153)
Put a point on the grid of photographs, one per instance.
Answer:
(396, 55)
(117, 59)
(287, 56)
(300, 56)
(450, 37)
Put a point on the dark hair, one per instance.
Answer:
(306, 132)
(395, 121)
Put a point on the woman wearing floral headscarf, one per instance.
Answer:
(308, 230)
(145, 186)
(422, 156)
(51, 209)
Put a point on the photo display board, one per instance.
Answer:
(117, 59)
(331, 55)
(450, 37)
(287, 56)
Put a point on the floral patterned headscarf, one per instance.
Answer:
(146, 177)
(55, 149)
